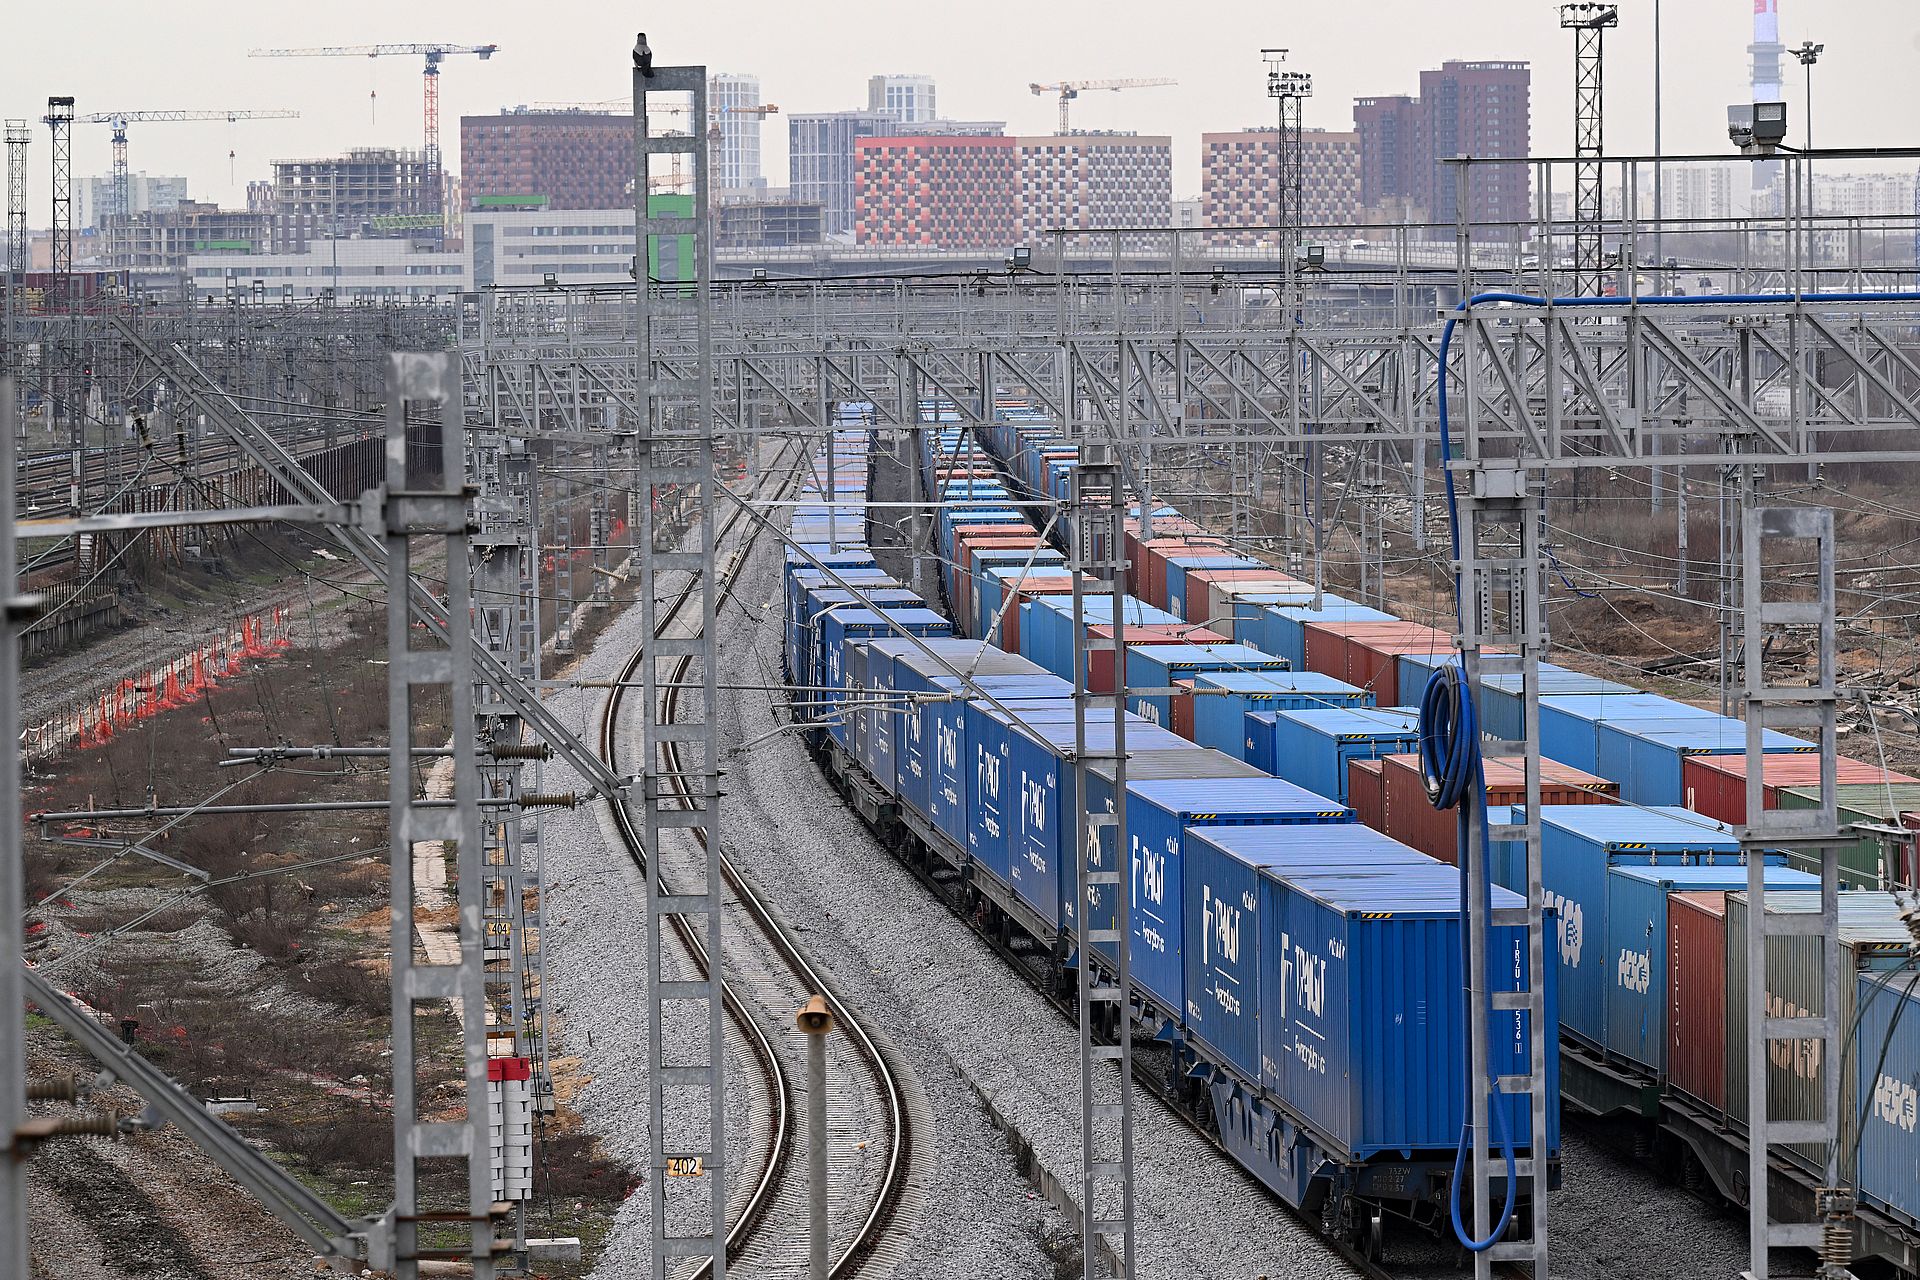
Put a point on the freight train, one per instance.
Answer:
(1641, 863)
(1301, 968)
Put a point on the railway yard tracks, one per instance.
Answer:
(878, 1122)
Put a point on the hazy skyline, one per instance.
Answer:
(191, 54)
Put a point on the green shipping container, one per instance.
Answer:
(1866, 860)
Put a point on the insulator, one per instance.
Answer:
(1836, 1243)
(549, 800)
(54, 1089)
(96, 1124)
(38, 1129)
(1836, 1206)
(520, 751)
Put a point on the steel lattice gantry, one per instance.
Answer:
(674, 448)
(1589, 24)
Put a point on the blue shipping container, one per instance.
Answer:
(1157, 666)
(1312, 748)
(1578, 843)
(1219, 714)
(1645, 756)
(1042, 820)
(1888, 1013)
(1160, 813)
(1637, 945)
(1569, 722)
(1362, 1010)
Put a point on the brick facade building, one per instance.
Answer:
(1240, 181)
(952, 191)
(577, 159)
(1094, 180)
(945, 192)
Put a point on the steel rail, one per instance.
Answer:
(894, 1174)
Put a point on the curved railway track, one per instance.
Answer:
(871, 1092)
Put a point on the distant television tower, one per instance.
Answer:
(1767, 54)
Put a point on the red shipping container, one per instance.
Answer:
(1053, 584)
(1366, 792)
(1717, 785)
(1697, 995)
(1155, 552)
(961, 588)
(1413, 821)
(1364, 653)
(1206, 605)
(1100, 661)
(1183, 710)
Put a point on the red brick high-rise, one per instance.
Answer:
(1477, 109)
(576, 159)
(1481, 109)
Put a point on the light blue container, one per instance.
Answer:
(1157, 666)
(1638, 945)
(1578, 844)
(1312, 748)
(1569, 723)
(1645, 756)
(1501, 709)
(1219, 713)
(1888, 1011)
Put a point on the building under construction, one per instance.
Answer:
(370, 191)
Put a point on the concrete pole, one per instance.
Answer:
(815, 1020)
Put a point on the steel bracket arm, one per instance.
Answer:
(364, 547)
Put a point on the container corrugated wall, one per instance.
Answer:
(1697, 996)
(1871, 938)
(1889, 1165)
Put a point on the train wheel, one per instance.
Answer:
(1374, 1247)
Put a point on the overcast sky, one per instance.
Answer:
(816, 55)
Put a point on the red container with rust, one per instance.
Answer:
(1413, 821)
(1366, 792)
(1717, 785)
(1183, 710)
(1697, 996)
(1100, 661)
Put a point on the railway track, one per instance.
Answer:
(878, 1124)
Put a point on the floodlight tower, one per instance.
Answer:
(1589, 24)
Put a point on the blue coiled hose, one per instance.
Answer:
(1450, 765)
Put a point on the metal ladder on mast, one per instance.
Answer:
(674, 449)
(1503, 598)
(1813, 833)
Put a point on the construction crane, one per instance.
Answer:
(122, 201)
(434, 54)
(1070, 89)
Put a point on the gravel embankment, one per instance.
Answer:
(983, 1219)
